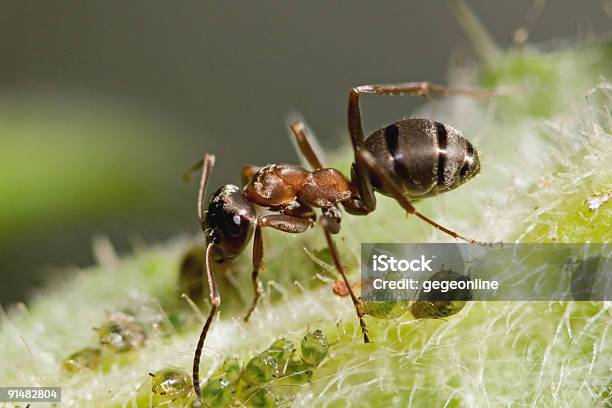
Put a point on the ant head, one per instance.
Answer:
(229, 223)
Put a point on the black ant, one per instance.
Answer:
(408, 160)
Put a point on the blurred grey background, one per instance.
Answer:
(104, 103)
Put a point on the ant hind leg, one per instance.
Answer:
(369, 161)
(355, 124)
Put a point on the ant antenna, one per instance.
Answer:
(207, 165)
(215, 301)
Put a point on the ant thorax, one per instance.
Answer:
(279, 185)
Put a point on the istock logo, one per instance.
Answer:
(384, 263)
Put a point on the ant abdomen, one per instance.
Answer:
(425, 157)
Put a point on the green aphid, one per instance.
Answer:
(298, 372)
(171, 383)
(87, 358)
(260, 369)
(263, 398)
(217, 393)
(386, 303)
(230, 370)
(282, 349)
(314, 348)
(122, 333)
(436, 304)
(385, 309)
(436, 309)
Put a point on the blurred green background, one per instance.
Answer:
(103, 104)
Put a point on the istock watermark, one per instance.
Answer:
(384, 263)
(515, 272)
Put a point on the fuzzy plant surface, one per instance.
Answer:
(546, 177)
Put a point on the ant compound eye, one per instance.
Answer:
(235, 226)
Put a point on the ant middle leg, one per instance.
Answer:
(304, 142)
(285, 223)
(299, 209)
(360, 204)
(326, 224)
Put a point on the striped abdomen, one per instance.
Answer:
(425, 157)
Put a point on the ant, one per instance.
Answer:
(408, 160)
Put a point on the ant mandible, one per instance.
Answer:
(408, 160)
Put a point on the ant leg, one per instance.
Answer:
(188, 173)
(215, 301)
(324, 221)
(207, 164)
(303, 139)
(366, 202)
(257, 263)
(368, 160)
(421, 89)
(355, 124)
(363, 200)
(283, 223)
(300, 209)
(247, 173)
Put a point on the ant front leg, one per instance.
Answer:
(247, 174)
(370, 163)
(283, 223)
(326, 223)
